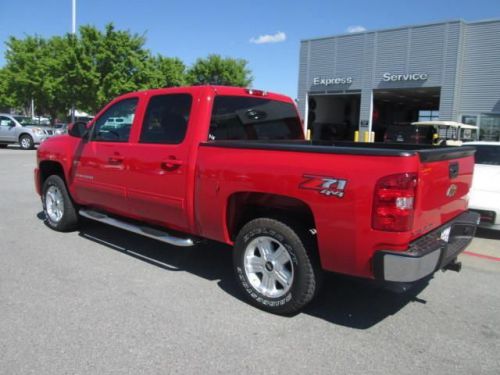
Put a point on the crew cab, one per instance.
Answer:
(232, 165)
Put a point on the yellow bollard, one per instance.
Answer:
(356, 136)
(366, 136)
(308, 134)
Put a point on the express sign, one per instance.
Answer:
(332, 81)
(388, 77)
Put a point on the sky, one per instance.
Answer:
(265, 33)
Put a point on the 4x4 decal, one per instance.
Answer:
(329, 186)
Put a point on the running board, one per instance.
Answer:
(143, 231)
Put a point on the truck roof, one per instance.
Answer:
(217, 90)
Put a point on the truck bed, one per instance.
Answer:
(427, 153)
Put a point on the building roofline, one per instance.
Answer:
(412, 26)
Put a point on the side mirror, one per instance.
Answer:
(78, 129)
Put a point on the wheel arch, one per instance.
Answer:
(50, 167)
(243, 207)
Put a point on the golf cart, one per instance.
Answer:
(438, 133)
(450, 133)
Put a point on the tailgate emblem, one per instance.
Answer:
(329, 186)
(452, 190)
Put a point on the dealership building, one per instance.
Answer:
(371, 80)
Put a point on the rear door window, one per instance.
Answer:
(166, 119)
(242, 118)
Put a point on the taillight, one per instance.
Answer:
(394, 202)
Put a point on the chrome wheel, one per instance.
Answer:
(26, 143)
(268, 267)
(54, 203)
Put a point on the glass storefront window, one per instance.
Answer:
(428, 115)
(489, 128)
(469, 119)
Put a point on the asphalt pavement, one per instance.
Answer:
(104, 301)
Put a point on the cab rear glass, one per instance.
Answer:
(248, 118)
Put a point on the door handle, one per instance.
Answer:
(171, 164)
(115, 159)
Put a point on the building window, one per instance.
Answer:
(489, 128)
(469, 119)
(428, 115)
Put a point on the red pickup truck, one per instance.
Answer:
(232, 165)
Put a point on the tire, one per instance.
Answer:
(26, 142)
(3, 145)
(286, 277)
(60, 211)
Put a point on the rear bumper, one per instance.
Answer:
(428, 253)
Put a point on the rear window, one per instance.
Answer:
(487, 155)
(236, 117)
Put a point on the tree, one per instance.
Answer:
(167, 72)
(215, 70)
(91, 68)
(22, 74)
(119, 61)
(6, 99)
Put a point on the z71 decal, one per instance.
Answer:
(329, 186)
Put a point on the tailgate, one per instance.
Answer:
(445, 177)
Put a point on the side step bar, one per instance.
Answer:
(143, 231)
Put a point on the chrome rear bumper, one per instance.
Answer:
(427, 254)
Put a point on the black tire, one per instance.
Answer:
(3, 145)
(26, 142)
(69, 219)
(306, 271)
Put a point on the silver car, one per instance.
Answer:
(22, 130)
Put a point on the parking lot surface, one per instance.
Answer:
(104, 301)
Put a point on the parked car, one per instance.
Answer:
(22, 130)
(485, 191)
(60, 128)
(232, 165)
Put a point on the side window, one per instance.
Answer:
(166, 119)
(5, 121)
(114, 125)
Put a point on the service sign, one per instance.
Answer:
(389, 77)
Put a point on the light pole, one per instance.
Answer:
(73, 31)
(73, 18)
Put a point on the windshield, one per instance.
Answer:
(24, 120)
(488, 154)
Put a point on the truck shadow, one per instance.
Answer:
(358, 303)
(344, 301)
